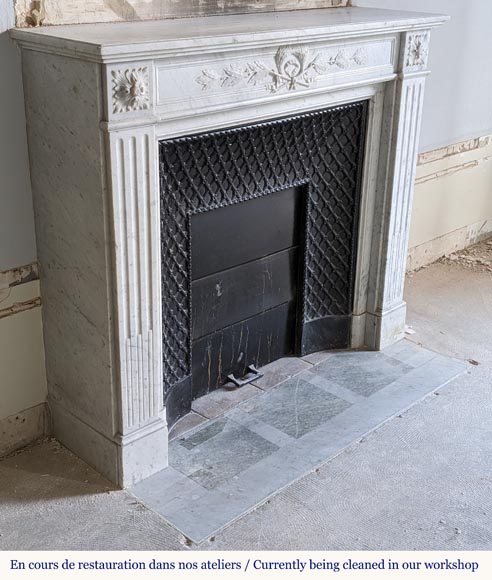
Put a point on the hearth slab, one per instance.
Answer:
(279, 371)
(226, 467)
(187, 423)
(221, 400)
(365, 373)
(296, 407)
(219, 451)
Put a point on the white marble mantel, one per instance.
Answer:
(99, 98)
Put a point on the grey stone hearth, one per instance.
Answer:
(225, 466)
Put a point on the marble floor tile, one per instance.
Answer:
(218, 452)
(295, 407)
(364, 374)
(317, 357)
(410, 353)
(279, 371)
(220, 401)
(185, 424)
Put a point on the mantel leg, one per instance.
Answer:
(401, 127)
(142, 429)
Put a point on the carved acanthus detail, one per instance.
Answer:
(294, 67)
(130, 90)
(417, 50)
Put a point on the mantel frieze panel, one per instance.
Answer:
(201, 82)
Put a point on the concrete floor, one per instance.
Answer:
(422, 481)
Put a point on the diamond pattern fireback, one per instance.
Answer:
(322, 150)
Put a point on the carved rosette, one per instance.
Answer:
(293, 67)
(416, 50)
(131, 90)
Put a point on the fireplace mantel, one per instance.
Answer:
(98, 100)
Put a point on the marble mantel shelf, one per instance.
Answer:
(100, 97)
(115, 42)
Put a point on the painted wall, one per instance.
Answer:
(452, 206)
(458, 102)
(22, 372)
(17, 245)
(23, 410)
(453, 194)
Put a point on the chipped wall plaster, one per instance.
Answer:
(23, 375)
(452, 206)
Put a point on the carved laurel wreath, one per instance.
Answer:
(294, 67)
(130, 90)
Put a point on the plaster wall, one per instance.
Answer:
(23, 382)
(22, 372)
(17, 245)
(457, 98)
(452, 206)
(453, 195)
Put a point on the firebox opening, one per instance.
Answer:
(259, 242)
